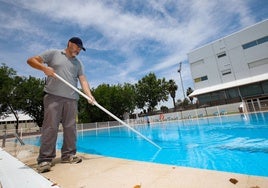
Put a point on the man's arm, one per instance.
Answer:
(37, 63)
(85, 86)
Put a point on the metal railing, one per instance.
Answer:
(7, 131)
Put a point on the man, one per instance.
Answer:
(60, 101)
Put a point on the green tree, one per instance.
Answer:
(19, 94)
(116, 98)
(128, 97)
(84, 109)
(186, 102)
(164, 109)
(149, 91)
(6, 86)
(89, 113)
(188, 92)
(172, 88)
(8, 83)
(30, 98)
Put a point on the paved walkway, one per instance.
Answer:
(97, 171)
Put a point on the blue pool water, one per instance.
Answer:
(237, 143)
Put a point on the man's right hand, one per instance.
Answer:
(37, 62)
(49, 71)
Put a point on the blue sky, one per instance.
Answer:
(125, 39)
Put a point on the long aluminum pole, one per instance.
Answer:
(179, 71)
(106, 111)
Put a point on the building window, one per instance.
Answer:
(258, 63)
(249, 45)
(217, 95)
(204, 99)
(262, 40)
(251, 90)
(232, 93)
(255, 42)
(196, 80)
(221, 54)
(265, 86)
(225, 72)
(203, 78)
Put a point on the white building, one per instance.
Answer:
(233, 69)
(10, 118)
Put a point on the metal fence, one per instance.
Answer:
(27, 129)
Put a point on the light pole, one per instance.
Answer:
(179, 71)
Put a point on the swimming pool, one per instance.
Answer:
(237, 143)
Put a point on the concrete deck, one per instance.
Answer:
(14, 173)
(99, 171)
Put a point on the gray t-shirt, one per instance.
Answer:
(68, 68)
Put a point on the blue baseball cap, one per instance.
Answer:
(78, 42)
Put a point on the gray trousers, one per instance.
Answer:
(58, 110)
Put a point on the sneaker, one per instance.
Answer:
(44, 166)
(72, 159)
